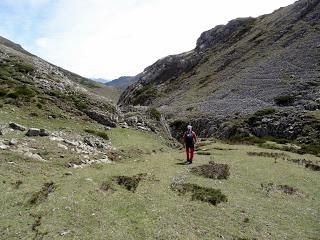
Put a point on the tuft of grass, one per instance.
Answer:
(43, 194)
(106, 186)
(129, 183)
(204, 194)
(97, 133)
(212, 170)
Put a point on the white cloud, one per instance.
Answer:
(42, 42)
(97, 38)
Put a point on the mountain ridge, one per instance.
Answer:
(238, 69)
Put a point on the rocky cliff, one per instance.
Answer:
(237, 69)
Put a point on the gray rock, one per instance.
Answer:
(144, 128)
(33, 132)
(16, 126)
(125, 125)
(3, 146)
(13, 142)
(44, 133)
(89, 141)
(132, 121)
(106, 119)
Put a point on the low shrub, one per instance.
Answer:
(130, 183)
(309, 148)
(285, 100)
(97, 133)
(212, 170)
(204, 194)
(154, 113)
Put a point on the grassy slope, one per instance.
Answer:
(153, 211)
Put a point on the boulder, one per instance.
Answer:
(44, 133)
(106, 119)
(33, 132)
(16, 126)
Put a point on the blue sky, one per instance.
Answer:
(110, 38)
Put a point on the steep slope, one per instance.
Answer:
(122, 82)
(250, 64)
(26, 80)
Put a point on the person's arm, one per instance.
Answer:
(184, 139)
(195, 137)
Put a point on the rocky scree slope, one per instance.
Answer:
(250, 64)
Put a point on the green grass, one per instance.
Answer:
(103, 135)
(89, 205)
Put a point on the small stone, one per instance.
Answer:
(3, 147)
(144, 128)
(33, 132)
(62, 146)
(13, 142)
(65, 232)
(88, 141)
(125, 125)
(68, 174)
(16, 126)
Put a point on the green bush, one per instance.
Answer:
(24, 68)
(97, 133)
(3, 92)
(244, 138)
(39, 105)
(154, 113)
(309, 148)
(284, 100)
(210, 195)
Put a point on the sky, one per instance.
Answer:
(113, 38)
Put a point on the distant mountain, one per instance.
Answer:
(100, 80)
(253, 76)
(122, 82)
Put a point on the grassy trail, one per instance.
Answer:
(79, 207)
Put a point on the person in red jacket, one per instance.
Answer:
(190, 139)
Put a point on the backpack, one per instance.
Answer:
(189, 138)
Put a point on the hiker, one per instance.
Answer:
(189, 138)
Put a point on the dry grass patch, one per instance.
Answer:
(212, 170)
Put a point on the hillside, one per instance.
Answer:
(122, 82)
(269, 63)
(75, 166)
